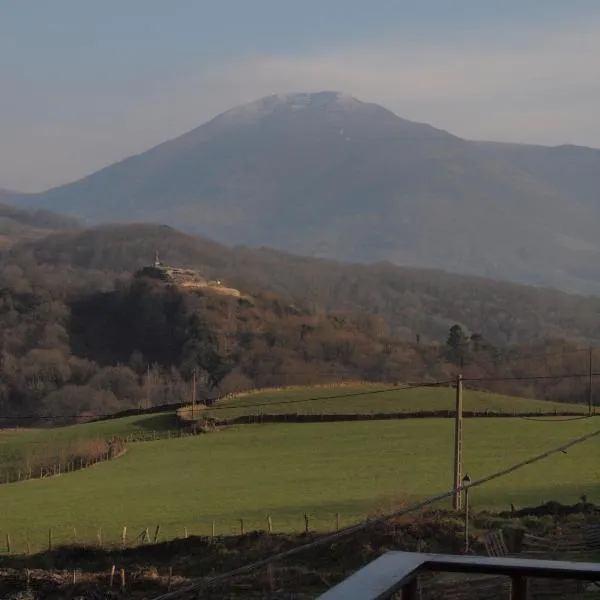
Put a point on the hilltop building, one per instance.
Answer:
(185, 278)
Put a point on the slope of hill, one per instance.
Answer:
(369, 399)
(325, 173)
(10, 196)
(17, 224)
(574, 170)
(410, 300)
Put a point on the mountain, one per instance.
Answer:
(574, 170)
(411, 301)
(326, 174)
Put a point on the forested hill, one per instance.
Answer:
(77, 352)
(18, 224)
(411, 301)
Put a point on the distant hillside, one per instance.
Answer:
(574, 170)
(18, 224)
(329, 175)
(411, 300)
(10, 195)
(125, 248)
(81, 336)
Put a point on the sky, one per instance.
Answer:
(84, 84)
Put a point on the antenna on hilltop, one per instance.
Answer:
(156, 259)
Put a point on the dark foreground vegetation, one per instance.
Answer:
(148, 570)
(82, 338)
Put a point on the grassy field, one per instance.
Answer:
(369, 399)
(286, 470)
(15, 444)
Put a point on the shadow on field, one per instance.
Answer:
(155, 568)
(160, 422)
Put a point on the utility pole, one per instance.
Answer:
(466, 483)
(193, 392)
(147, 387)
(590, 376)
(458, 421)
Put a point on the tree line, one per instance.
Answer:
(77, 344)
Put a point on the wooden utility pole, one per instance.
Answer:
(193, 392)
(590, 382)
(466, 482)
(458, 420)
(147, 387)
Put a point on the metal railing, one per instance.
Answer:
(399, 571)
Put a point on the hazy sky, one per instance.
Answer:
(84, 83)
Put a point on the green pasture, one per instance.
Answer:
(285, 470)
(15, 444)
(370, 399)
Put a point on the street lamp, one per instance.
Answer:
(466, 483)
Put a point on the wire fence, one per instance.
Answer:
(349, 531)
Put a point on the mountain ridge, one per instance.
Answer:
(325, 173)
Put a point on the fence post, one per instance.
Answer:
(518, 588)
(124, 535)
(271, 577)
(410, 591)
(269, 525)
(306, 528)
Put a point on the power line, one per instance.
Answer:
(545, 355)
(533, 377)
(407, 387)
(348, 531)
(511, 358)
(410, 386)
(556, 419)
